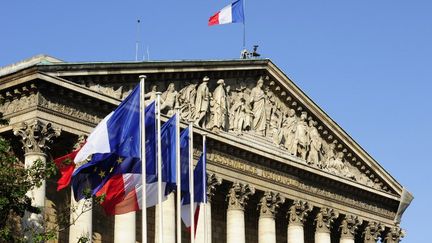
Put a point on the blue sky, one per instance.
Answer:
(367, 63)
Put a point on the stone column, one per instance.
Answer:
(394, 235)
(349, 228)
(297, 216)
(372, 232)
(35, 137)
(169, 223)
(204, 227)
(268, 206)
(125, 227)
(81, 219)
(324, 221)
(237, 197)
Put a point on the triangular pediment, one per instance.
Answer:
(275, 118)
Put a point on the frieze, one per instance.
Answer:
(277, 177)
(18, 104)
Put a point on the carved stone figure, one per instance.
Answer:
(288, 127)
(301, 141)
(337, 166)
(202, 102)
(238, 113)
(186, 98)
(168, 100)
(219, 109)
(314, 143)
(150, 96)
(258, 102)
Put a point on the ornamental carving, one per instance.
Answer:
(298, 212)
(212, 182)
(36, 135)
(394, 235)
(325, 219)
(349, 226)
(18, 104)
(238, 195)
(372, 232)
(270, 203)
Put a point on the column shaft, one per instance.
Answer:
(295, 233)
(124, 228)
(266, 230)
(169, 223)
(322, 237)
(235, 226)
(346, 240)
(81, 219)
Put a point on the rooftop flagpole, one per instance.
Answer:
(143, 161)
(159, 169)
(244, 24)
(191, 184)
(178, 176)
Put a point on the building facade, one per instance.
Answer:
(279, 168)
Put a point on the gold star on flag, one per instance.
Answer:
(102, 174)
(119, 160)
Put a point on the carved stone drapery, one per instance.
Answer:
(298, 212)
(212, 182)
(394, 235)
(349, 226)
(36, 135)
(269, 204)
(372, 232)
(238, 195)
(325, 219)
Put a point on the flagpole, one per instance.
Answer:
(143, 161)
(191, 184)
(204, 137)
(159, 168)
(244, 24)
(178, 175)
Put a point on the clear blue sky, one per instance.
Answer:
(367, 63)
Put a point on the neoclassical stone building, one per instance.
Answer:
(279, 168)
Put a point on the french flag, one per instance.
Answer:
(233, 13)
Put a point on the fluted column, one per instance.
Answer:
(324, 221)
(124, 228)
(348, 228)
(237, 197)
(297, 216)
(35, 137)
(372, 232)
(168, 219)
(394, 235)
(81, 219)
(204, 227)
(268, 206)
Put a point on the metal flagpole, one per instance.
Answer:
(244, 25)
(159, 172)
(143, 161)
(137, 40)
(204, 136)
(191, 184)
(178, 175)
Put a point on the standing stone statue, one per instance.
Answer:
(314, 143)
(186, 98)
(238, 112)
(219, 109)
(202, 102)
(258, 102)
(150, 96)
(301, 141)
(168, 100)
(288, 128)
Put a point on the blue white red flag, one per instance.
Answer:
(233, 13)
(200, 191)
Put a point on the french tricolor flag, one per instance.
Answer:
(232, 13)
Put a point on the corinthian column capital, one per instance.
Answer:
(36, 135)
(394, 235)
(325, 219)
(349, 226)
(238, 195)
(212, 182)
(269, 204)
(298, 212)
(372, 231)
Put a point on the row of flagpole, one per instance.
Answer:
(159, 173)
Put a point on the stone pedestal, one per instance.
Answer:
(169, 227)
(81, 219)
(124, 228)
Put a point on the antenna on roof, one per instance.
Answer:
(137, 39)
